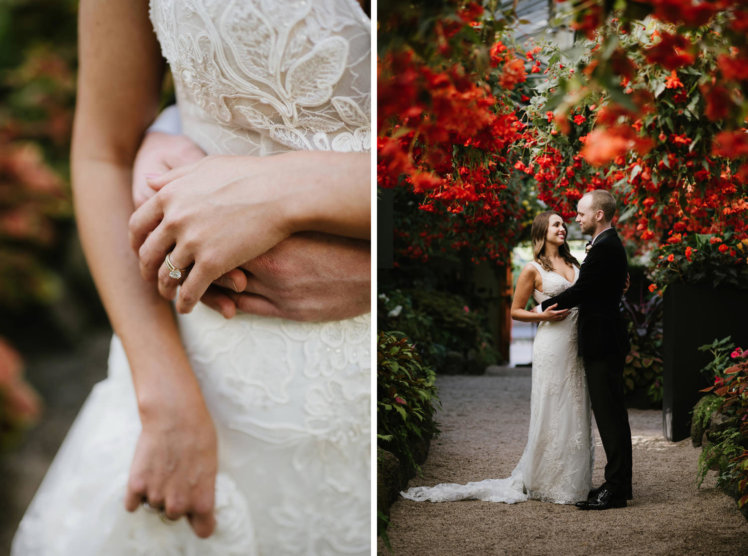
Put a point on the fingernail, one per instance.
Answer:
(233, 286)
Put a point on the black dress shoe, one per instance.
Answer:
(604, 500)
(595, 491)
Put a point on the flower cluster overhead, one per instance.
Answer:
(663, 96)
(649, 103)
(447, 120)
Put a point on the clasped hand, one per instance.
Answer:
(175, 461)
(211, 216)
(554, 315)
(306, 277)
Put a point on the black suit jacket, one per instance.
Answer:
(597, 292)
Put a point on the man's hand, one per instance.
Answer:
(160, 152)
(306, 277)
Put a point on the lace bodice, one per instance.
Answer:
(553, 283)
(263, 77)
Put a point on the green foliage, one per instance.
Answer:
(643, 366)
(716, 260)
(406, 402)
(721, 350)
(37, 95)
(702, 414)
(727, 449)
(437, 323)
(383, 521)
(406, 398)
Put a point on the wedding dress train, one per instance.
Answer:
(556, 465)
(290, 400)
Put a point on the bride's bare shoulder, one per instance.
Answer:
(530, 275)
(530, 269)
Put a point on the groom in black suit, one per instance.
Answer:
(603, 342)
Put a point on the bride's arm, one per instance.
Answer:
(118, 86)
(526, 283)
(225, 210)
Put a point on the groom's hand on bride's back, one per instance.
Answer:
(307, 277)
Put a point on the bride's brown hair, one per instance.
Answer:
(538, 233)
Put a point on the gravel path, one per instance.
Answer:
(484, 422)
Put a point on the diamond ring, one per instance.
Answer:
(160, 511)
(174, 272)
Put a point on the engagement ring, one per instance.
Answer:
(161, 513)
(174, 272)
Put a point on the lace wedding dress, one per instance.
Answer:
(556, 465)
(290, 400)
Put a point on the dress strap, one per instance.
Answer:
(538, 266)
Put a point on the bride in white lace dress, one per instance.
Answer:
(556, 465)
(251, 435)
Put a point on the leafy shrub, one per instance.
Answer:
(643, 366)
(438, 323)
(727, 435)
(713, 259)
(406, 399)
(406, 402)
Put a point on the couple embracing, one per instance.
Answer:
(578, 359)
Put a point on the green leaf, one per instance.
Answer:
(554, 101)
(619, 97)
(609, 47)
(694, 142)
(401, 411)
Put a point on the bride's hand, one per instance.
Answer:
(175, 463)
(224, 210)
(158, 153)
(552, 315)
(213, 216)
